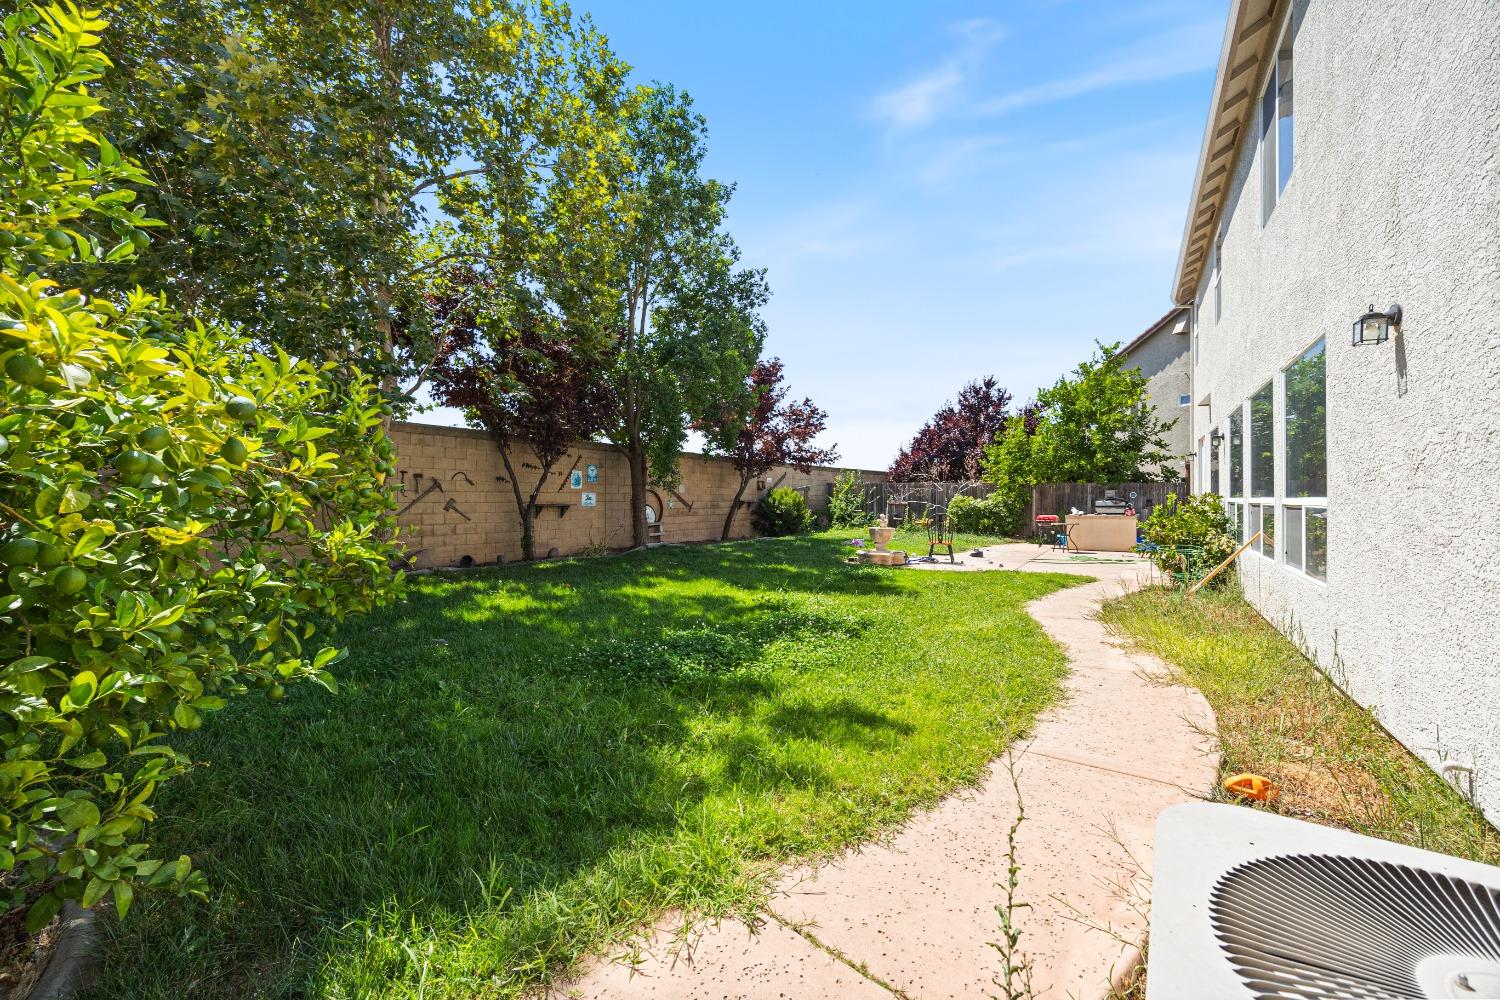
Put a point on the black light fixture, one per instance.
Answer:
(1375, 327)
(1216, 438)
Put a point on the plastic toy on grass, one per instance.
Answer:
(1252, 786)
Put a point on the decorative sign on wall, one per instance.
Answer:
(591, 472)
(575, 479)
(591, 500)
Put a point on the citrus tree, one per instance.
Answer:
(178, 512)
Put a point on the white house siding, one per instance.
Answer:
(1163, 359)
(1395, 197)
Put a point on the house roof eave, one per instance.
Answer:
(1249, 35)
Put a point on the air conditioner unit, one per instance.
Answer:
(1245, 903)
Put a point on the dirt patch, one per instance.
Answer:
(23, 956)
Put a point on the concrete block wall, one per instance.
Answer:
(456, 497)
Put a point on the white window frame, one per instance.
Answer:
(1272, 182)
(1258, 503)
(1300, 504)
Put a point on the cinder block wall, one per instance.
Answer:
(456, 498)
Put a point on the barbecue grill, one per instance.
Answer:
(1111, 504)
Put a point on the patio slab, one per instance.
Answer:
(914, 915)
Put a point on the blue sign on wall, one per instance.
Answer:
(575, 480)
(591, 472)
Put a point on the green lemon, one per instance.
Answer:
(234, 451)
(25, 369)
(275, 692)
(241, 408)
(101, 737)
(7, 239)
(69, 580)
(207, 626)
(133, 462)
(20, 551)
(154, 438)
(58, 239)
(51, 555)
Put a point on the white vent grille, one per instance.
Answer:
(1331, 927)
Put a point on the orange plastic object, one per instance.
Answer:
(1252, 786)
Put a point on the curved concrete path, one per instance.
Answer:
(913, 915)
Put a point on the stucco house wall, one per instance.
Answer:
(1394, 198)
(1164, 357)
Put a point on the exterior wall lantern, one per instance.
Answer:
(1216, 438)
(1375, 327)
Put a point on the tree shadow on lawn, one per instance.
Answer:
(477, 772)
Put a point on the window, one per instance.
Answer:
(1214, 276)
(1262, 446)
(1305, 443)
(1276, 144)
(1306, 425)
(1262, 518)
(1315, 535)
(1185, 399)
(1237, 452)
(1214, 484)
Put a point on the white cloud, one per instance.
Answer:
(1183, 50)
(924, 98)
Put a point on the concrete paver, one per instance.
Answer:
(917, 912)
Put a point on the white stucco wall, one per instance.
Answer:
(1395, 197)
(1163, 359)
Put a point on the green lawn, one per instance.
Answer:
(526, 762)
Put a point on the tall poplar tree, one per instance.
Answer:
(688, 329)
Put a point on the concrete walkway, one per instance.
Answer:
(913, 916)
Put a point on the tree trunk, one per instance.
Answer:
(525, 509)
(635, 454)
(734, 506)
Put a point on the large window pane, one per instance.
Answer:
(1213, 466)
(1317, 543)
(1284, 158)
(1307, 426)
(1237, 452)
(1268, 531)
(1268, 188)
(1262, 449)
(1291, 537)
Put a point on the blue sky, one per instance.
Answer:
(940, 191)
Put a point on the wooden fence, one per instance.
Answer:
(1061, 498)
(902, 502)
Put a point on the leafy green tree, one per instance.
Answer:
(179, 511)
(1094, 425)
(688, 322)
(846, 501)
(318, 162)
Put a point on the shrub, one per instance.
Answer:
(1191, 535)
(180, 510)
(980, 515)
(846, 503)
(782, 511)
